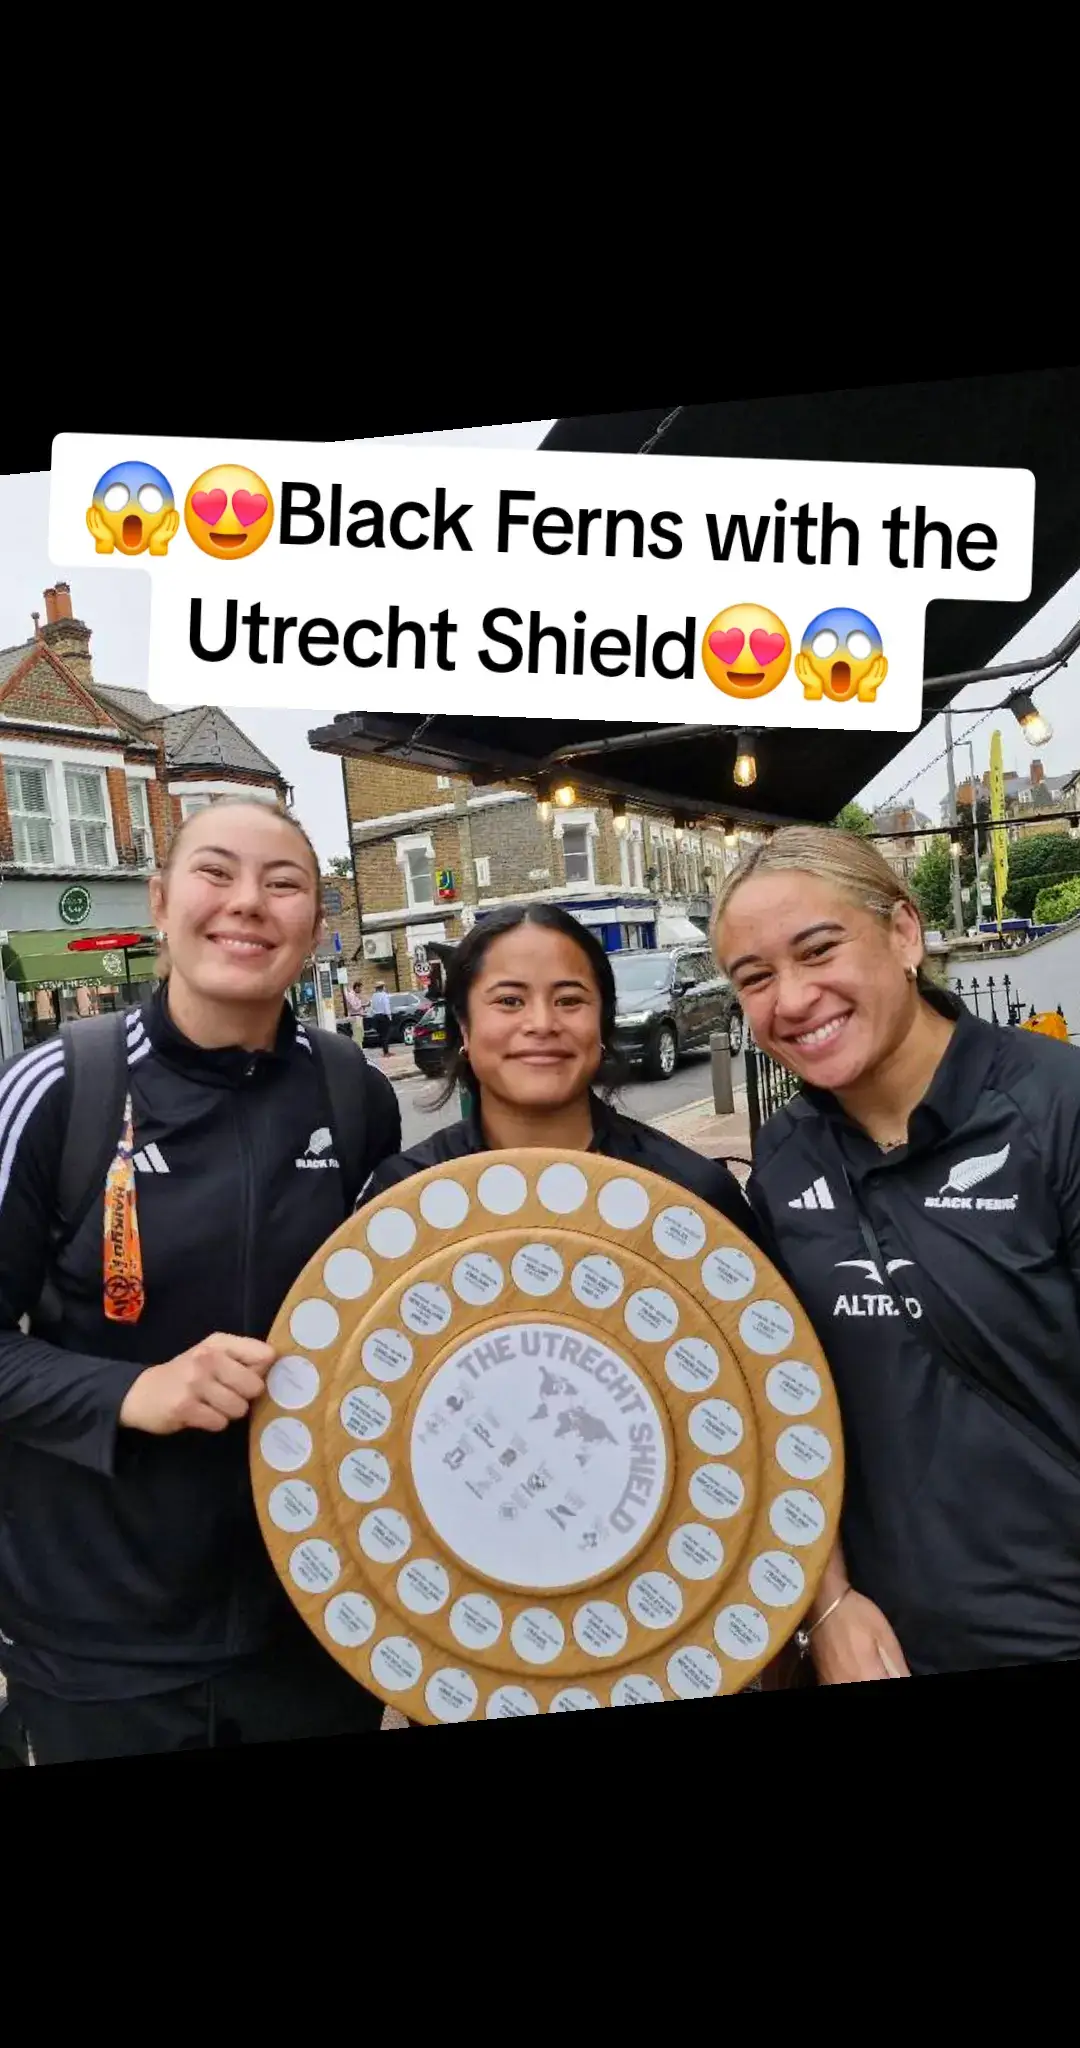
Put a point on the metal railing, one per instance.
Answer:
(1000, 994)
(768, 1084)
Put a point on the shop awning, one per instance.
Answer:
(41, 959)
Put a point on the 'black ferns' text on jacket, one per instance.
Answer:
(130, 1563)
(962, 1507)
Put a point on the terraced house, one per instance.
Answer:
(93, 781)
(432, 853)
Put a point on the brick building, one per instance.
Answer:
(433, 852)
(93, 782)
(902, 852)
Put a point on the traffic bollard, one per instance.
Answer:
(720, 1062)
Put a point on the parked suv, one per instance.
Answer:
(668, 1003)
(429, 1041)
(405, 1011)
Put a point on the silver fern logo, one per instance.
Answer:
(968, 1174)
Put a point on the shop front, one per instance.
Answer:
(58, 949)
(55, 983)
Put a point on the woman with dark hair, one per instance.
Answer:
(530, 1018)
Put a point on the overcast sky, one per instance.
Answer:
(117, 608)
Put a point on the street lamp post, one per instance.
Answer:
(957, 899)
(975, 831)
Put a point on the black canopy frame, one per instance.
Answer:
(1027, 420)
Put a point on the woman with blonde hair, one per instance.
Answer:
(921, 1190)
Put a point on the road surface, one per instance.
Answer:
(645, 1099)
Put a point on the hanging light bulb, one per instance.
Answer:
(954, 846)
(1035, 728)
(565, 795)
(745, 760)
(731, 838)
(618, 815)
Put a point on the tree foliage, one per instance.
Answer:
(931, 884)
(1038, 861)
(854, 819)
(1053, 906)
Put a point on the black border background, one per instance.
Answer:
(784, 1775)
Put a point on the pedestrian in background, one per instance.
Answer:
(354, 1004)
(380, 1010)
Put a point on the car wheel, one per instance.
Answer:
(735, 1033)
(407, 1035)
(661, 1062)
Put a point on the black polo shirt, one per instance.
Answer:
(615, 1136)
(962, 1504)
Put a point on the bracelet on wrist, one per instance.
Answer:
(803, 1635)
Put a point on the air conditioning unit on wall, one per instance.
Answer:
(378, 946)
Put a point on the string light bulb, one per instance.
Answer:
(745, 761)
(565, 796)
(1035, 728)
(954, 846)
(618, 816)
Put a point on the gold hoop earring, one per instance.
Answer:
(911, 972)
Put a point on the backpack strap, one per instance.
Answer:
(346, 1074)
(95, 1062)
(95, 1067)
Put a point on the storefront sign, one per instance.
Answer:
(75, 904)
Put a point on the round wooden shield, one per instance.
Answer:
(546, 1433)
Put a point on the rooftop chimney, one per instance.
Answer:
(1036, 773)
(66, 635)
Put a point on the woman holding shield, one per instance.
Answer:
(922, 1194)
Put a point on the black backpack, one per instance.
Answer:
(95, 1054)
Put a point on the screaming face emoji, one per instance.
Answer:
(841, 658)
(746, 651)
(229, 512)
(133, 510)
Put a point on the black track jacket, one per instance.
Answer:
(129, 1563)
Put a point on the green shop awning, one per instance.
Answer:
(41, 960)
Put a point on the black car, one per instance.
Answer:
(405, 1010)
(671, 1002)
(429, 1041)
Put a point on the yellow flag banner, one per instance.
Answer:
(998, 841)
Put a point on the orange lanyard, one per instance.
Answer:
(124, 1296)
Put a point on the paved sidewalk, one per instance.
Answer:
(716, 1137)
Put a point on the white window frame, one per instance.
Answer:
(417, 842)
(483, 871)
(587, 821)
(636, 842)
(106, 819)
(141, 782)
(51, 818)
(56, 761)
(442, 782)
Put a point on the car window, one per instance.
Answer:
(642, 973)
